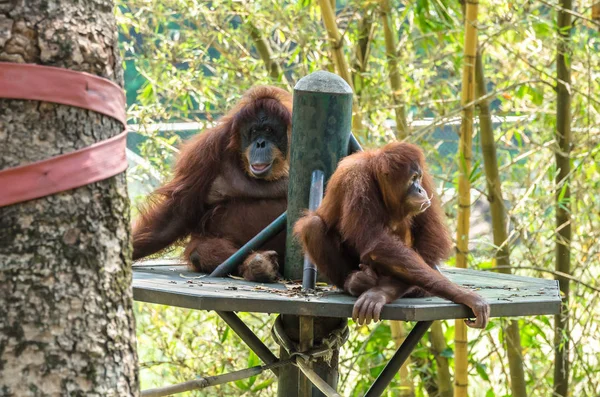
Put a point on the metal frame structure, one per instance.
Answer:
(171, 283)
(321, 137)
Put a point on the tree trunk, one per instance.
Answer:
(499, 227)
(563, 196)
(464, 187)
(66, 318)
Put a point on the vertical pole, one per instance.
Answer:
(307, 333)
(464, 187)
(309, 280)
(321, 124)
(309, 277)
(564, 139)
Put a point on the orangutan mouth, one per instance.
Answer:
(260, 168)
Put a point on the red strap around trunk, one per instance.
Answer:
(71, 170)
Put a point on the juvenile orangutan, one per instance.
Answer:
(379, 233)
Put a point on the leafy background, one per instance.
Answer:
(188, 61)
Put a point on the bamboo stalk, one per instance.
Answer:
(596, 12)
(499, 225)
(328, 14)
(429, 382)
(563, 196)
(397, 328)
(438, 345)
(406, 385)
(363, 47)
(464, 186)
(264, 50)
(335, 38)
(391, 53)
(461, 362)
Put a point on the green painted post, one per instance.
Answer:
(321, 124)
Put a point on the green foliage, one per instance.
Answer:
(189, 61)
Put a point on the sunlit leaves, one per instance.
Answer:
(190, 60)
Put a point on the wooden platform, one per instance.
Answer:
(170, 283)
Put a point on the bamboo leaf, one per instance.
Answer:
(447, 353)
(263, 385)
(482, 371)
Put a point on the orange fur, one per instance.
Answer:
(367, 238)
(209, 172)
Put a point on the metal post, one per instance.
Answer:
(232, 263)
(354, 145)
(321, 123)
(309, 277)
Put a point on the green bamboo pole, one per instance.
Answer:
(396, 327)
(329, 20)
(438, 345)
(389, 33)
(464, 186)
(407, 387)
(264, 50)
(563, 196)
(499, 226)
(362, 50)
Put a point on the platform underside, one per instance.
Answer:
(169, 282)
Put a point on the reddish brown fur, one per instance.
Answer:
(364, 220)
(209, 174)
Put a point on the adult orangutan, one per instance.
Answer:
(379, 233)
(229, 183)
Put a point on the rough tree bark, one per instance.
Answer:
(66, 318)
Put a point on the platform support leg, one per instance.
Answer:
(253, 342)
(321, 124)
(403, 352)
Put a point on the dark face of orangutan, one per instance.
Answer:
(264, 142)
(416, 198)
